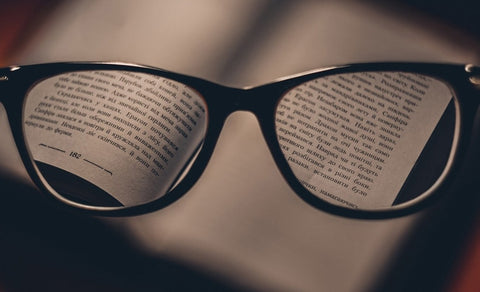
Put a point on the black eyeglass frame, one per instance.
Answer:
(221, 101)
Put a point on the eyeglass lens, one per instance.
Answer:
(113, 138)
(366, 140)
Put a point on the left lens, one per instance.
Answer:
(113, 138)
(368, 140)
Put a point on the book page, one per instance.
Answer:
(130, 134)
(352, 139)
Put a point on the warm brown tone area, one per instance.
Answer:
(18, 23)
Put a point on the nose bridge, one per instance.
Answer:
(250, 99)
(260, 101)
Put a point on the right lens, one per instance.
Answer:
(368, 140)
(113, 138)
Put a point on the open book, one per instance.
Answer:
(241, 221)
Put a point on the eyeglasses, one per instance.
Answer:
(366, 140)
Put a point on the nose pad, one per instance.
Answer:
(475, 74)
(475, 80)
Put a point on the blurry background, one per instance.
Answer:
(240, 227)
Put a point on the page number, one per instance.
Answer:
(75, 155)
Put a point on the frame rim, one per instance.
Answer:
(245, 99)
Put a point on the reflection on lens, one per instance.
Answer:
(113, 138)
(368, 140)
